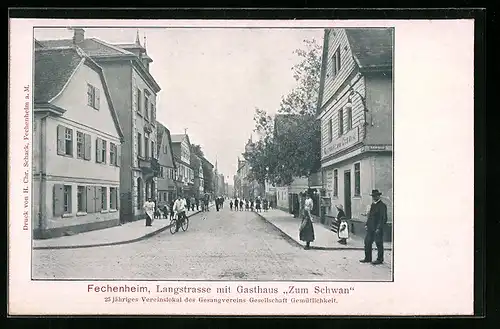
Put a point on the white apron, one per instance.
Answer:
(343, 230)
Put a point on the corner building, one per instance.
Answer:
(355, 107)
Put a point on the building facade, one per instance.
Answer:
(199, 184)
(166, 183)
(133, 92)
(181, 147)
(355, 108)
(76, 145)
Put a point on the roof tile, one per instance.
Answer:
(372, 47)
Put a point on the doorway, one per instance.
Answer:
(347, 193)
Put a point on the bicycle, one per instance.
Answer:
(184, 224)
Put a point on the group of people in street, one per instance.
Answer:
(376, 220)
(258, 204)
(219, 202)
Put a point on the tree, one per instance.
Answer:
(295, 149)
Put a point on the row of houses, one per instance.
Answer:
(355, 114)
(99, 151)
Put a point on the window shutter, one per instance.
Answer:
(58, 199)
(87, 146)
(98, 150)
(118, 155)
(97, 98)
(117, 198)
(90, 198)
(98, 198)
(61, 141)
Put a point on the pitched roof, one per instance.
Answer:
(371, 47)
(92, 46)
(53, 69)
(161, 129)
(177, 138)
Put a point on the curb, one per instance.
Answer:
(289, 238)
(107, 244)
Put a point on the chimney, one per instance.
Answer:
(78, 35)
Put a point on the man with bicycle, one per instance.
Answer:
(180, 211)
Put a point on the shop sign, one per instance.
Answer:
(343, 142)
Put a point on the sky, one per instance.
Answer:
(212, 79)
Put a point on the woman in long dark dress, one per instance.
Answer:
(336, 224)
(306, 233)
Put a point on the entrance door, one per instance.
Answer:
(347, 193)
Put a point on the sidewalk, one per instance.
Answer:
(121, 234)
(325, 239)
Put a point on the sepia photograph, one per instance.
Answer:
(215, 154)
(246, 167)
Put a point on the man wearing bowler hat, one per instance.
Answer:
(377, 218)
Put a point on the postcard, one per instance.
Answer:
(191, 167)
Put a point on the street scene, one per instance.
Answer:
(213, 154)
(222, 245)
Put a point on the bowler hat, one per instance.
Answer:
(375, 193)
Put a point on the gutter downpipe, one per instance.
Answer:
(42, 211)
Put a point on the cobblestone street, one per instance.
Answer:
(221, 245)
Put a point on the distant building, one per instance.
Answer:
(208, 169)
(76, 145)
(181, 147)
(166, 183)
(199, 184)
(355, 108)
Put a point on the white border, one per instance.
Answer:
(433, 151)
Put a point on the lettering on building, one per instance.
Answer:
(341, 143)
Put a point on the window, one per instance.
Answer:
(153, 150)
(164, 196)
(113, 198)
(67, 199)
(103, 151)
(165, 149)
(146, 147)
(161, 172)
(349, 118)
(335, 182)
(104, 198)
(139, 193)
(146, 104)
(80, 151)
(330, 130)
(153, 113)
(100, 150)
(336, 63)
(93, 97)
(112, 154)
(139, 144)
(341, 122)
(81, 199)
(357, 179)
(138, 101)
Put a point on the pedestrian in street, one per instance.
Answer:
(247, 205)
(306, 232)
(236, 203)
(241, 205)
(171, 209)
(377, 218)
(192, 203)
(339, 225)
(251, 205)
(197, 204)
(265, 204)
(231, 205)
(257, 204)
(180, 211)
(149, 208)
(188, 204)
(165, 211)
(217, 203)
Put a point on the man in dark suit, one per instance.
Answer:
(377, 218)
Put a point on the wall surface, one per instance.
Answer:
(379, 99)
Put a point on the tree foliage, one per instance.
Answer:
(294, 148)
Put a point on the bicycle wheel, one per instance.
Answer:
(172, 226)
(185, 224)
